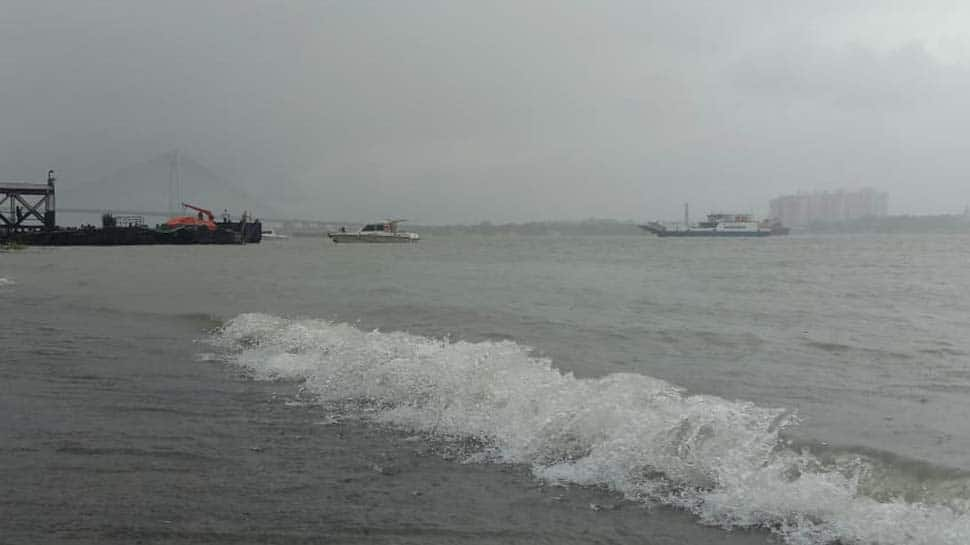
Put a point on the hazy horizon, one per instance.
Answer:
(449, 113)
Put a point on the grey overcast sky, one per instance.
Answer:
(454, 111)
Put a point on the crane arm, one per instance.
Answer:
(203, 210)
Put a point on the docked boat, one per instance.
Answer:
(384, 232)
(719, 225)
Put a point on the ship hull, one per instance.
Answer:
(726, 234)
(661, 231)
(225, 233)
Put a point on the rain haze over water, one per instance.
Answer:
(560, 382)
(450, 112)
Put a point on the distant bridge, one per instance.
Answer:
(28, 212)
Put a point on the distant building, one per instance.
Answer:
(804, 209)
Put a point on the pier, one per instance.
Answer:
(26, 207)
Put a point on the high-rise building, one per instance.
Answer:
(805, 208)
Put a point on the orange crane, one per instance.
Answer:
(208, 221)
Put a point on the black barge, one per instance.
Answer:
(28, 217)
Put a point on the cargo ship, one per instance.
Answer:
(719, 225)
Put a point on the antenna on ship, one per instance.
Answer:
(686, 217)
(171, 187)
(178, 176)
(174, 182)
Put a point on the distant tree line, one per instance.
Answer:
(943, 223)
(591, 227)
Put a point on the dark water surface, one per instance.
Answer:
(260, 393)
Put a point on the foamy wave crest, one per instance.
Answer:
(6, 282)
(645, 438)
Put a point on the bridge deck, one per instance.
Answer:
(25, 189)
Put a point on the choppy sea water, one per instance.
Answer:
(815, 389)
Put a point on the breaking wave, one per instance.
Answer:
(725, 461)
(6, 282)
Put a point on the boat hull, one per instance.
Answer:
(728, 234)
(373, 238)
(663, 232)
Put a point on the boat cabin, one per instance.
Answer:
(713, 220)
(385, 227)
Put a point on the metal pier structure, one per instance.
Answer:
(27, 207)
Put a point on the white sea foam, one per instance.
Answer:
(722, 460)
(6, 282)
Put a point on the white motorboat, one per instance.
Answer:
(272, 235)
(383, 232)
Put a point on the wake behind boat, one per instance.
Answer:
(384, 232)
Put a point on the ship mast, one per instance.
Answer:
(174, 181)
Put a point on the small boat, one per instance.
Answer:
(719, 225)
(775, 226)
(383, 232)
(273, 235)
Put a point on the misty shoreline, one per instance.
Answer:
(898, 224)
